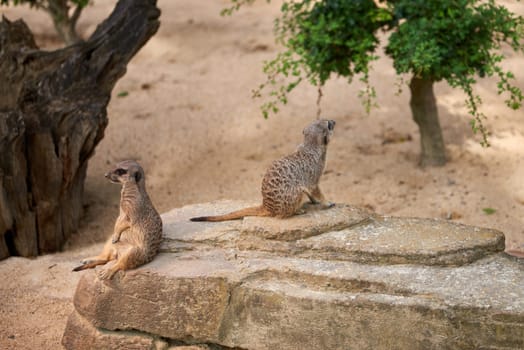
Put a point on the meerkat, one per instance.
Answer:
(137, 234)
(291, 180)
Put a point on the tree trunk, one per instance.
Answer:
(65, 24)
(52, 115)
(425, 113)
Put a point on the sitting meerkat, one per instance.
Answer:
(138, 229)
(292, 179)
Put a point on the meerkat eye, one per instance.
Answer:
(120, 171)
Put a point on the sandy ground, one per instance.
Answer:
(189, 119)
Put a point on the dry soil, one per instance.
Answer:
(189, 119)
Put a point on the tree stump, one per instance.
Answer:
(52, 116)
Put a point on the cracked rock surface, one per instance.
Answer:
(342, 278)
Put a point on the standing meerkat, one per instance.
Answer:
(137, 234)
(292, 179)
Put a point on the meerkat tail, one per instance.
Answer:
(238, 214)
(84, 267)
(80, 268)
(90, 265)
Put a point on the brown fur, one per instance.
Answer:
(292, 179)
(137, 234)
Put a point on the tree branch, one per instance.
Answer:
(76, 14)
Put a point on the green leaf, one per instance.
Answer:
(122, 94)
(489, 211)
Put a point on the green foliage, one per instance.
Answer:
(453, 40)
(60, 12)
(489, 211)
(323, 38)
(41, 3)
(456, 41)
(236, 4)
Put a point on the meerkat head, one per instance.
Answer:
(126, 171)
(319, 132)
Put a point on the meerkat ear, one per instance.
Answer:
(138, 176)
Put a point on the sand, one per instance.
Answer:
(189, 119)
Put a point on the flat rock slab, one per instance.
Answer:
(313, 222)
(224, 285)
(339, 233)
(393, 240)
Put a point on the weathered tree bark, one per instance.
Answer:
(52, 115)
(424, 110)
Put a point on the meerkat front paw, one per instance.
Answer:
(115, 239)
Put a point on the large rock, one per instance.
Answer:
(341, 278)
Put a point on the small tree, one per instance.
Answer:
(432, 40)
(454, 41)
(64, 13)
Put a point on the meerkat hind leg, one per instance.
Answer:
(310, 196)
(316, 197)
(127, 259)
(108, 253)
(304, 203)
(109, 272)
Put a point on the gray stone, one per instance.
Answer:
(302, 226)
(80, 334)
(168, 302)
(407, 240)
(340, 278)
(341, 233)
